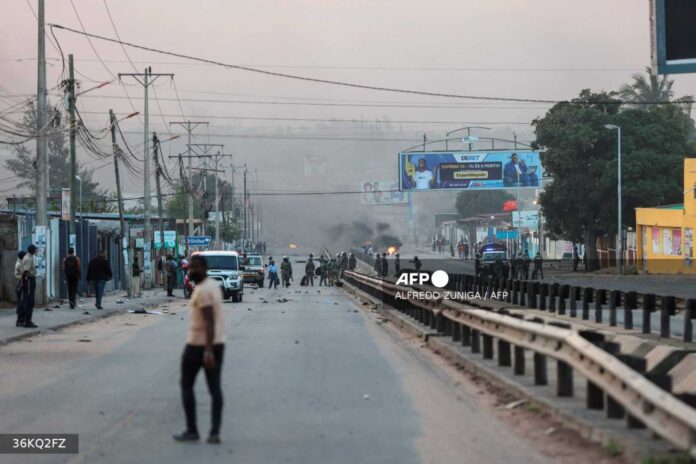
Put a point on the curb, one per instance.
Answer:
(86, 320)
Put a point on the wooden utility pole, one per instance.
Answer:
(121, 217)
(158, 173)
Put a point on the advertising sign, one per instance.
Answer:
(41, 241)
(527, 219)
(382, 192)
(469, 170)
(65, 204)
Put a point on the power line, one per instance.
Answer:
(301, 78)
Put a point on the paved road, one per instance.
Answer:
(295, 379)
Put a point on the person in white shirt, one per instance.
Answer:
(205, 346)
(423, 178)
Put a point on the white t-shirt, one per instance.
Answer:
(423, 179)
(206, 293)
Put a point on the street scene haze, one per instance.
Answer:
(347, 231)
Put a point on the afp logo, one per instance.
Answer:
(439, 278)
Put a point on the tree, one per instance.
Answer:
(23, 165)
(647, 89)
(580, 155)
(473, 202)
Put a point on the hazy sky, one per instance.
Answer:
(548, 49)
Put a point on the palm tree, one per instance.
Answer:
(649, 87)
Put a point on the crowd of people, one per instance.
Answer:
(327, 268)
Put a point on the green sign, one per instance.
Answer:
(169, 239)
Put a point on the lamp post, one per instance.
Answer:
(619, 243)
(468, 133)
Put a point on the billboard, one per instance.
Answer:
(382, 192)
(469, 170)
(527, 219)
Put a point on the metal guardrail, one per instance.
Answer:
(624, 390)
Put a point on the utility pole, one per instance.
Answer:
(146, 79)
(73, 130)
(158, 173)
(42, 147)
(122, 220)
(246, 206)
(189, 126)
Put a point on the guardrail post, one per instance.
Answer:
(475, 341)
(515, 291)
(466, 335)
(533, 292)
(553, 291)
(540, 370)
(630, 303)
(564, 373)
(574, 293)
(600, 299)
(668, 308)
(595, 395)
(689, 314)
(614, 301)
(639, 365)
(508, 288)
(504, 356)
(648, 308)
(456, 331)
(439, 323)
(523, 293)
(519, 361)
(487, 346)
(543, 293)
(563, 294)
(586, 300)
(614, 409)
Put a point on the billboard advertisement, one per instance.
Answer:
(382, 192)
(527, 219)
(469, 170)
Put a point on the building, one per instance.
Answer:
(665, 234)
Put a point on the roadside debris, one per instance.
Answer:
(366, 396)
(515, 404)
(144, 311)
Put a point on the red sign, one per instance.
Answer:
(510, 205)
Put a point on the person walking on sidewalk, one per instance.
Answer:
(18, 287)
(99, 272)
(135, 278)
(169, 275)
(205, 347)
(28, 287)
(72, 268)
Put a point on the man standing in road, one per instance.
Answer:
(397, 265)
(385, 265)
(309, 270)
(72, 268)
(576, 258)
(169, 275)
(286, 271)
(205, 347)
(135, 278)
(538, 267)
(99, 272)
(18, 287)
(28, 287)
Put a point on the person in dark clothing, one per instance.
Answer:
(135, 278)
(378, 265)
(576, 258)
(477, 265)
(170, 274)
(416, 263)
(385, 265)
(397, 265)
(72, 268)
(538, 267)
(309, 270)
(99, 272)
(352, 262)
(525, 265)
(18, 287)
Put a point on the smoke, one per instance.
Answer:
(359, 233)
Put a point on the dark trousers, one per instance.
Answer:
(72, 289)
(18, 294)
(191, 363)
(28, 299)
(99, 286)
(171, 280)
(310, 278)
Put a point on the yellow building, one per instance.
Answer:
(665, 234)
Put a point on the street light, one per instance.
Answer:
(619, 244)
(468, 133)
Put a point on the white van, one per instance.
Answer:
(223, 266)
